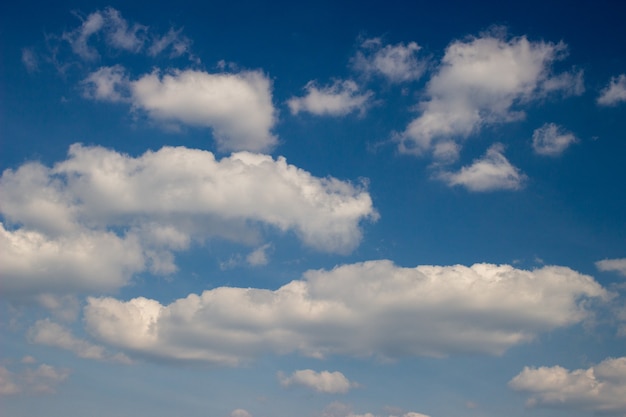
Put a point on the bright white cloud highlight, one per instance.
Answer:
(552, 140)
(337, 99)
(325, 381)
(600, 388)
(93, 220)
(396, 63)
(489, 173)
(236, 106)
(480, 82)
(364, 309)
(615, 92)
(613, 265)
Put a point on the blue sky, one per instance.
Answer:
(313, 209)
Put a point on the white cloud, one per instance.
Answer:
(483, 81)
(174, 40)
(259, 256)
(41, 380)
(236, 106)
(46, 332)
(551, 140)
(615, 92)
(489, 173)
(79, 37)
(338, 409)
(600, 388)
(397, 63)
(30, 60)
(337, 99)
(93, 220)
(240, 412)
(616, 265)
(325, 381)
(364, 309)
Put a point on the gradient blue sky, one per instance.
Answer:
(364, 209)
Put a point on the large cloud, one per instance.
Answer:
(372, 308)
(600, 388)
(93, 220)
(482, 81)
(236, 106)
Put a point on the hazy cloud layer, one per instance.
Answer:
(372, 308)
(93, 220)
(325, 381)
(337, 99)
(395, 63)
(483, 81)
(552, 140)
(615, 92)
(236, 106)
(490, 173)
(601, 388)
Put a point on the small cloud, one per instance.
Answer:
(325, 382)
(40, 380)
(396, 63)
(30, 60)
(612, 265)
(240, 412)
(338, 99)
(28, 360)
(552, 140)
(614, 93)
(259, 256)
(489, 173)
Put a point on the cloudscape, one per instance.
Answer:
(314, 209)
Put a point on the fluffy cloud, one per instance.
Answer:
(93, 220)
(364, 309)
(325, 381)
(601, 388)
(551, 140)
(617, 265)
(337, 99)
(236, 106)
(482, 81)
(396, 63)
(42, 380)
(491, 172)
(615, 92)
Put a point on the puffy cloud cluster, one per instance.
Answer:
(325, 381)
(489, 173)
(236, 106)
(481, 81)
(396, 63)
(118, 34)
(364, 309)
(337, 99)
(600, 388)
(93, 220)
(615, 92)
(551, 140)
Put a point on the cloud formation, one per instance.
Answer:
(483, 81)
(93, 220)
(337, 99)
(366, 309)
(236, 106)
(552, 140)
(614, 93)
(490, 173)
(325, 381)
(395, 63)
(42, 379)
(600, 388)
(617, 265)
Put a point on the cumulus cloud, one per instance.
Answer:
(489, 173)
(41, 380)
(337, 99)
(551, 140)
(46, 332)
(236, 106)
(396, 63)
(614, 93)
(93, 220)
(613, 265)
(483, 81)
(600, 388)
(366, 309)
(325, 381)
